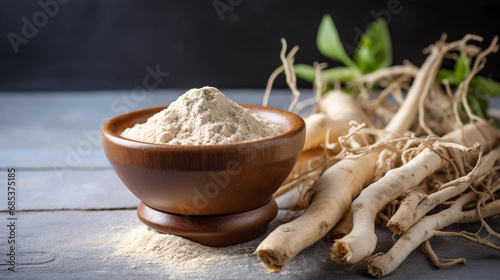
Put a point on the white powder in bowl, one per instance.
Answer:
(202, 117)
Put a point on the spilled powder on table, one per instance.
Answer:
(202, 116)
(179, 255)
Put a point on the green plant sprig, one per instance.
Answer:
(480, 88)
(373, 52)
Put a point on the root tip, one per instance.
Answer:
(270, 262)
(340, 253)
(396, 227)
(375, 271)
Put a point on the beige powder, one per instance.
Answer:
(179, 255)
(202, 117)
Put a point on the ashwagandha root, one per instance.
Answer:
(423, 82)
(337, 110)
(330, 201)
(287, 67)
(335, 189)
(330, 198)
(318, 125)
(425, 229)
(361, 242)
(406, 210)
(310, 165)
(333, 192)
(438, 262)
(407, 217)
(343, 227)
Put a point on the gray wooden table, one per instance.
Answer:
(70, 205)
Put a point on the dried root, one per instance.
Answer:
(330, 201)
(428, 227)
(422, 204)
(376, 159)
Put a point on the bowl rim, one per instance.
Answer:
(297, 127)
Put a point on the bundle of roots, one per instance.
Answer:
(399, 156)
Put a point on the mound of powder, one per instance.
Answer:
(202, 117)
(177, 254)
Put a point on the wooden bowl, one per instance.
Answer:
(204, 180)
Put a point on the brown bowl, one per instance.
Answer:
(204, 180)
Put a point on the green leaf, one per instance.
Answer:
(445, 74)
(328, 87)
(375, 48)
(349, 90)
(336, 74)
(485, 87)
(305, 72)
(364, 56)
(329, 44)
(462, 67)
(340, 74)
(382, 41)
(460, 71)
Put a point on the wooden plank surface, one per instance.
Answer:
(78, 189)
(56, 240)
(80, 244)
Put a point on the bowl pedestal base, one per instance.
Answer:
(214, 230)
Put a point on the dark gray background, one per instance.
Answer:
(95, 44)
